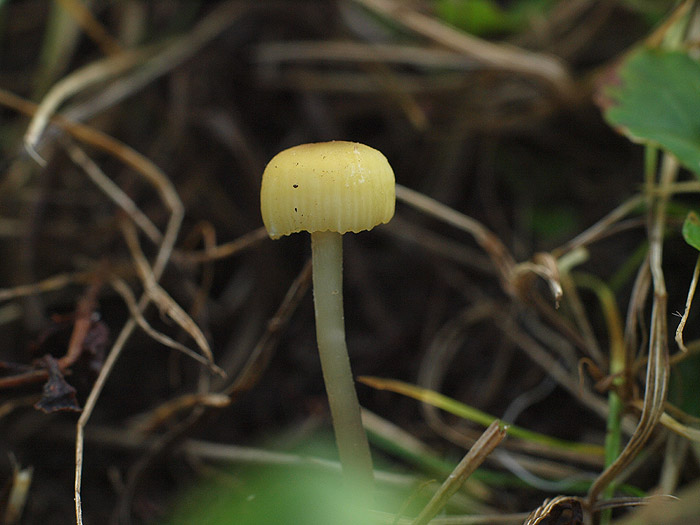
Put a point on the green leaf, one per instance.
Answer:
(487, 17)
(685, 383)
(691, 230)
(474, 16)
(653, 97)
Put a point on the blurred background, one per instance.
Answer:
(485, 107)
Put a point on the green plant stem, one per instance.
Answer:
(613, 440)
(350, 436)
(613, 435)
(613, 432)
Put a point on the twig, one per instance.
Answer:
(159, 296)
(489, 440)
(542, 358)
(246, 379)
(81, 325)
(92, 27)
(166, 58)
(278, 53)
(128, 156)
(688, 302)
(169, 196)
(55, 282)
(470, 519)
(510, 273)
(18, 493)
(222, 251)
(439, 245)
(502, 56)
(125, 292)
(70, 85)
(488, 241)
(111, 190)
(151, 421)
(575, 306)
(157, 60)
(261, 354)
(657, 364)
(601, 228)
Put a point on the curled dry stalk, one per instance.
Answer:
(112, 190)
(76, 82)
(172, 201)
(55, 282)
(686, 312)
(142, 65)
(514, 277)
(547, 69)
(199, 404)
(169, 197)
(160, 63)
(160, 297)
(656, 381)
(511, 273)
(123, 289)
(602, 227)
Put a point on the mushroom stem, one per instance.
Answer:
(351, 439)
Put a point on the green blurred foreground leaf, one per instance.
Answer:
(269, 495)
(653, 97)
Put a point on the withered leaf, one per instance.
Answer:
(58, 394)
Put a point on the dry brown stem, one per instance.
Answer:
(656, 381)
(549, 69)
(489, 440)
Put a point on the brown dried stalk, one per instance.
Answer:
(544, 67)
(489, 440)
(656, 382)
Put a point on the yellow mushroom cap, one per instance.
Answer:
(326, 186)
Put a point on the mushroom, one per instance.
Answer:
(328, 189)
